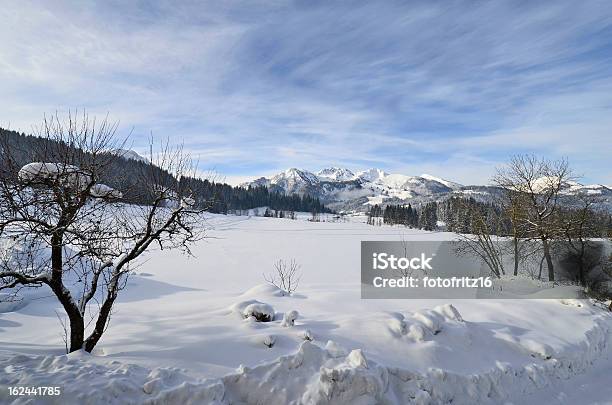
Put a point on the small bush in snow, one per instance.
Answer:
(269, 340)
(449, 312)
(307, 335)
(289, 318)
(260, 311)
(286, 276)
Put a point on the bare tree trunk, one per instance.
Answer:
(101, 322)
(77, 325)
(77, 331)
(581, 264)
(516, 255)
(103, 315)
(549, 262)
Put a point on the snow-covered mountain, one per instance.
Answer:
(372, 175)
(341, 189)
(336, 173)
(129, 154)
(572, 188)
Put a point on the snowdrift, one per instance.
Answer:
(312, 375)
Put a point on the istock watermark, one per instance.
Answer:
(444, 269)
(383, 261)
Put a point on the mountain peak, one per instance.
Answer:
(372, 174)
(336, 174)
(294, 178)
(128, 154)
(293, 171)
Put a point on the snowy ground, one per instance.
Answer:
(177, 336)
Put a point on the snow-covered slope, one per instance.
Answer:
(450, 184)
(573, 188)
(341, 189)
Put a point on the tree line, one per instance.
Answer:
(425, 217)
(223, 198)
(123, 174)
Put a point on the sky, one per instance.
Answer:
(250, 88)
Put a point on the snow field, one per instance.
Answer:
(186, 331)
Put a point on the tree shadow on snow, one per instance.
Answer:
(137, 289)
(145, 288)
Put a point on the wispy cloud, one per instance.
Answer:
(446, 88)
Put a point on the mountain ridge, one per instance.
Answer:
(342, 189)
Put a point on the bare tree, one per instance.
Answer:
(63, 229)
(514, 204)
(286, 276)
(408, 271)
(537, 184)
(483, 242)
(581, 224)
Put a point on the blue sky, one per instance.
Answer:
(447, 88)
